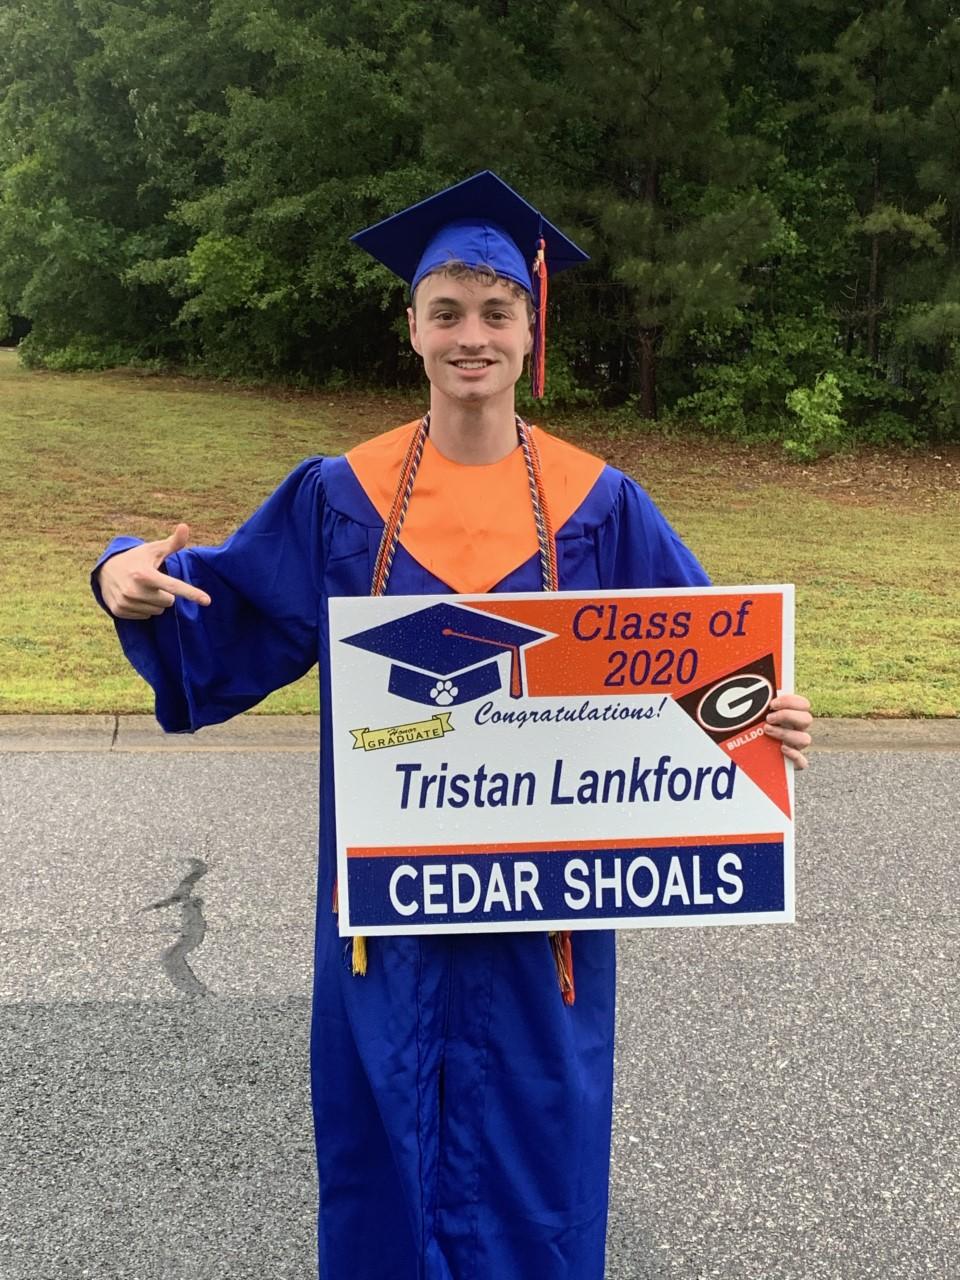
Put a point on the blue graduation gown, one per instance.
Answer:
(462, 1111)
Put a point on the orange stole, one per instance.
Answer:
(472, 525)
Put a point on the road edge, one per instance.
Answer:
(104, 733)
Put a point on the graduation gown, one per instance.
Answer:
(462, 1111)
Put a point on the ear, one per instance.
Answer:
(529, 347)
(414, 336)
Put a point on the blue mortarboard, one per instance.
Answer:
(480, 222)
(446, 654)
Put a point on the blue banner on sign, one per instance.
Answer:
(711, 879)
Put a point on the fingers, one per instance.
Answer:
(790, 709)
(798, 739)
(177, 540)
(789, 702)
(136, 612)
(145, 593)
(166, 547)
(159, 588)
(788, 721)
(133, 586)
(790, 712)
(791, 722)
(800, 761)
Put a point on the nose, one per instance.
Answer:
(471, 332)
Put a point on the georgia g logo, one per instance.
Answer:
(734, 703)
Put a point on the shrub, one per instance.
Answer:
(562, 391)
(82, 353)
(819, 425)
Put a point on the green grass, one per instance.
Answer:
(83, 457)
(878, 601)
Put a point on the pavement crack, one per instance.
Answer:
(116, 732)
(193, 930)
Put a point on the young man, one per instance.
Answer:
(462, 1106)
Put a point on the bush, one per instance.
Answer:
(941, 392)
(83, 354)
(562, 390)
(745, 372)
(748, 375)
(886, 427)
(819, 426)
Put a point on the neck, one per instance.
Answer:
(474, 434)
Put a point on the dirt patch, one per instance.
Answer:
(867, 477)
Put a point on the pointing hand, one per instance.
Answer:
(133, 585)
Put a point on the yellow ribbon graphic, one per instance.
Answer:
(401, 735)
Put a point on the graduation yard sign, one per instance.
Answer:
(561, 761)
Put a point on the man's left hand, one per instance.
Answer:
(789, 721)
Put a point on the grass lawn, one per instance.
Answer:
(870, 541)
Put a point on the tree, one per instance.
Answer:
(65, 175)
(668, 187)
(863, 99)
(927, 333)
(313, 140)
(615, 112)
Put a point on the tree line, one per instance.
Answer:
(769, 193)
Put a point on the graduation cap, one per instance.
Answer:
(480, 222)
(446, 654)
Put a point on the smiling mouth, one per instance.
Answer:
(471, 364)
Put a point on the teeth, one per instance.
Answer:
(471, 364)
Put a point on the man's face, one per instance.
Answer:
(472, 337)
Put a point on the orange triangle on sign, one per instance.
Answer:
(763, 762)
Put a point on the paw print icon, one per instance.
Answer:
(444, 692)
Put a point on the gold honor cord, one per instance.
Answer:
(560, 942)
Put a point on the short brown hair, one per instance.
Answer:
(482, 274)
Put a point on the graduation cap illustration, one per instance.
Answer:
(481, 222)
(446, 654)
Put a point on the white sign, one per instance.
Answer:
(560, 761)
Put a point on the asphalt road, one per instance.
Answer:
(786, 1096)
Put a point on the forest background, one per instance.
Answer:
(770, 194)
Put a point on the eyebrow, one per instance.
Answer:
(488, 302)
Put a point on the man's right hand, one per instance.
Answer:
(133, 586)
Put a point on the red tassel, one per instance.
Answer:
(570, 994)
(538, 357)
(562, 946)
